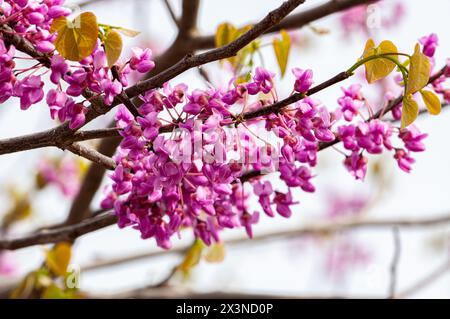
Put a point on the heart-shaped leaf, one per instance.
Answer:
(432, 102)
(419, 71)
(76, 39)
(410, 110)
(113, 46)
(379, 68)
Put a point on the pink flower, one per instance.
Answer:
(248, 220)
(303, 79)
(264, 191)
(77, 82)
(404, 161)
(111, 89)
(351, 102)
(141, 60)
(58, 67)
(56, 101)
(263, 82)
(283, 203)
(75, 113)
(430, 44)
(30, 90)
(123, 117)
(197, 101)
(412, 137)
(356, 164)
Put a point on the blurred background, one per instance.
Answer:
(352, 263)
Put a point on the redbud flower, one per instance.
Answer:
(56, 101)
(351, 102)
(198, 100)
(283, 203)
(77, 82)
(263, 82)
(247, 220)
(356, 164)
(412, 137)
(404, 161)
(141, 60)
(123, 117)
(264, 191)
(29, 90)
(58, 67)
(430, 44)
(111, 89)
(6, 54)
(303, 79)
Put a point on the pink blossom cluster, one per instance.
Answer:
(32, 19)
(94, 74)
(160, 189)
(64, 174)
(374, 136)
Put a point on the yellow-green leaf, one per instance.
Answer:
(225, 33)
(192, 257)
(25, 288)
(76, 39)
(20, 211)
(410, 110)
(432, 102)
(57, 259)
(379, 68)
(281, 48)
(215, 253)
(128, 32)
(53, 292)
(419, 71)
(113, 46)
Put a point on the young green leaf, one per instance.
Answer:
(127, 32)
(410, 111)
(432, 102)
(225, 33)
(419, 71)
(282, 48)
(57, 259)
(379, 68)
(113, 46)
(216, 253)
(192, 257)
(76, 39)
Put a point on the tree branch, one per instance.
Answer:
(94, 223)
(294, 21)
(171, 13)
(92, 155)
(425, 281)
(60, 135)
(65, 233)
(395, 261)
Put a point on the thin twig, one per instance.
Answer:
(395, 262)
(294, 21)
(426, 281)
(104, 220)
(171, 12)
(92, 155)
